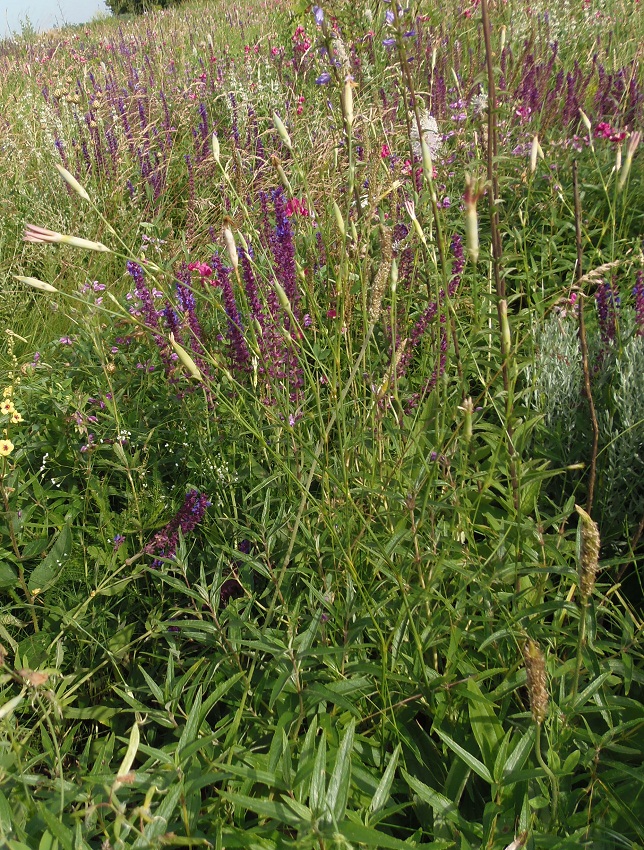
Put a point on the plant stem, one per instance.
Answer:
(581, 639)
(584, 347)
(497, 250)
(553, 779)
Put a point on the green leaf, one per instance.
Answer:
(191, 728)
(265, 808)
(5, 814)
(590, 691)
(361, 834)
(486, 726)
(60, 832)
(51, 567)
(384, 786)
(318, 779)
(338, 790)
(442, 805)
(8, 576)
(520, 753)
(159, 823)
(471, 761)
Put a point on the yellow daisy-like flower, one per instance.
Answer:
(7, 408)
(6, 447)
(16, 417)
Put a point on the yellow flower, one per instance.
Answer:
(6, 447)
(7, 408)
(7, 392)
(16, 417)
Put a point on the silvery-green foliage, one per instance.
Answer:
(558, 375)
(623, 432)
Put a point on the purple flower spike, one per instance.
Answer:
(164, 543)
(318, 14)
(607, 302)
(638, 295)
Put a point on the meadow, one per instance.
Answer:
(322, 428)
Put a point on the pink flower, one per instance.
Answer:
(295, 206)
(203, 269)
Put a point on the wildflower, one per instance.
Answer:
(33, 233)
(605, 131)
(296, 207)
(164, 543)
(16, 417)
(638, 295)
(323, 79)
(66, 340)
(203, 269)
(7, 408)
(318, 14)
(607, 302)
(6, 447)
(118, 541)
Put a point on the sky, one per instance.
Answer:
(45, 14)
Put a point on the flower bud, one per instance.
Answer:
(185, 358)
(283, 132)
(339, 220)
(229, 239)
(36, 284)
(72, 181)
(347, 102)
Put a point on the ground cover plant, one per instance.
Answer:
(322, 428)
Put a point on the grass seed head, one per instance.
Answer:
(535, 666)
(589, 554)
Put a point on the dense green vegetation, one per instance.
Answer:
(321, 441)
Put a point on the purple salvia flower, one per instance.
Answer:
(143, 293)
(458, 265)
(284, 251)
(61, 150)
(164, 543)
(238, 351)
(606, 311)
